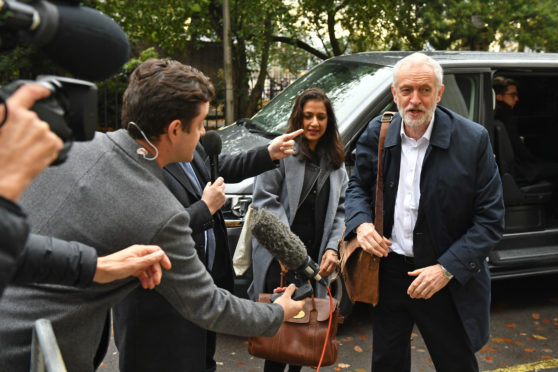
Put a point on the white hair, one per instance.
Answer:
(419, 58)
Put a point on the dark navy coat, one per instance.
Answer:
(461, 208)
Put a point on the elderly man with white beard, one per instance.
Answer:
(443, 212)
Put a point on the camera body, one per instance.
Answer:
(70, 110)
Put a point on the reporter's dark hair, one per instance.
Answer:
(330, 144)
(160, 91)
(500, 84)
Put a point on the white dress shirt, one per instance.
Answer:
(408, 191)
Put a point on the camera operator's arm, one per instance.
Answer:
(27, 145)
(49, 260)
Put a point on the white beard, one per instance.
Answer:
(416, 122)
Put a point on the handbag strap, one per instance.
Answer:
(379, 206)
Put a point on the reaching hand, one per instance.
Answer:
(429, 280)
(141, 261)
(214, 195)
(27, 145)
(290, 306)
(372, 242)
(282, 146)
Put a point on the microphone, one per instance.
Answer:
(84, 41)
(212, 144)
(283, 244)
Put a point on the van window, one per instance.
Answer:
(347, 83)
(459, 94)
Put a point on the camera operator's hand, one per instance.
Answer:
(141, 261)
(27, 145)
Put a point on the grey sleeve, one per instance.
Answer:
(190, 289)
(54, 261)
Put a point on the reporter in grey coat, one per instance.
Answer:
(110, 194)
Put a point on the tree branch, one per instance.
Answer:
(300, 44)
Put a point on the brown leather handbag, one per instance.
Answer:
(300, 339)
(360, 269)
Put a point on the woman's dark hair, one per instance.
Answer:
(160, 91)
(330, 145)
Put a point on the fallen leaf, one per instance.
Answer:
(363, 337)
(358, 349)
(346, 339)
(343, 365)
(504, 364)
(539, 337)
(498, 340)
(529, 350)
(413, 336)
(518, 342)
(488, 358)
(536, 316)
(546, 350)
(220, 363)
(511, 325)
(239, 364)
(337, 369)
(103, 365)
(360, 370)
(523, 334)
(421, 350)
(546, 357)
(546, 321)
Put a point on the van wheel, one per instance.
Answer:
(339, 292)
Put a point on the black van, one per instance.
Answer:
(359, 87)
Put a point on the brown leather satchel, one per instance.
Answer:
(300, 340)
(360, 269)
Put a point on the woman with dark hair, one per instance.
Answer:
(307, 192)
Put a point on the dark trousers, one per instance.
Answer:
(152, 336)
(436, 318)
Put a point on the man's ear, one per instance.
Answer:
(394, 94)
(499, 97)
(173, 129)
(440, 93)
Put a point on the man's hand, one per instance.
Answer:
(27, 145)
(141, 261)
(329, 263)
(214, 195)
(290, 307)
(372, 242)
(429, 280)
(282, 146)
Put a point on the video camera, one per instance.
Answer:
(83, 41)
(70, 110)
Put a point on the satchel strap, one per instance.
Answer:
(379, 206)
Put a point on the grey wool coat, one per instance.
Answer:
(279, 190)
(109, 197)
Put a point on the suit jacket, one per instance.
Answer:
(146, 315)
(279, 191)
(109, 197)
(233, 168)
(461, 208)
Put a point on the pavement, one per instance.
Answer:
(524, 336)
